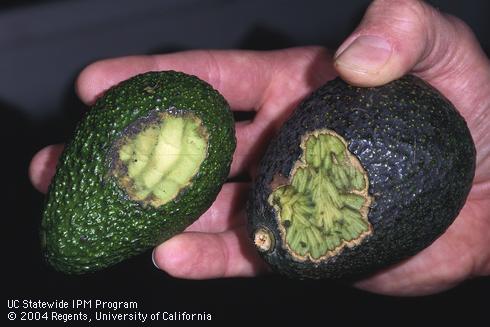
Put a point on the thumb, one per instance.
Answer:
(396, 37)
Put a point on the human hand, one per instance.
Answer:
(396, 37)
(438, 48)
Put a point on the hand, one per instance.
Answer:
(396, 37)
(417, 39)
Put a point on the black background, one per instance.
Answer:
(43, 46)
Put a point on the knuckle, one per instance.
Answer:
(447, 41)
(315, 56)
(458, 25)
(317, 50)
(308, 56)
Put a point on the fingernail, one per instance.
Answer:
(153, 259)
(366, 54)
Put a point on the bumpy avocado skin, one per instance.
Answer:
(88, 222)
(419, 157)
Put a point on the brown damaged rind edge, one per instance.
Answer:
(415, 153)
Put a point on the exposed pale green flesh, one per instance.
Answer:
(162, 158)
(324, 205)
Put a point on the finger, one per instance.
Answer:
(252, 138)
(227, 211)
(202, 255)
(240, 76)
(298, 71)
(244, 143)
(387, 43)
(43, 166)
(272, 82)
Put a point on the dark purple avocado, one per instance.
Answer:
(358, 179)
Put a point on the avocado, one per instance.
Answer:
(358, 179)
(147, 160)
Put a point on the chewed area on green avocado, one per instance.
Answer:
(322, 207)
(160, 158)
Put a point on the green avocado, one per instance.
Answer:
(358, 179)
(146, 161)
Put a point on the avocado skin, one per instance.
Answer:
(88, 222)
(419, 157)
